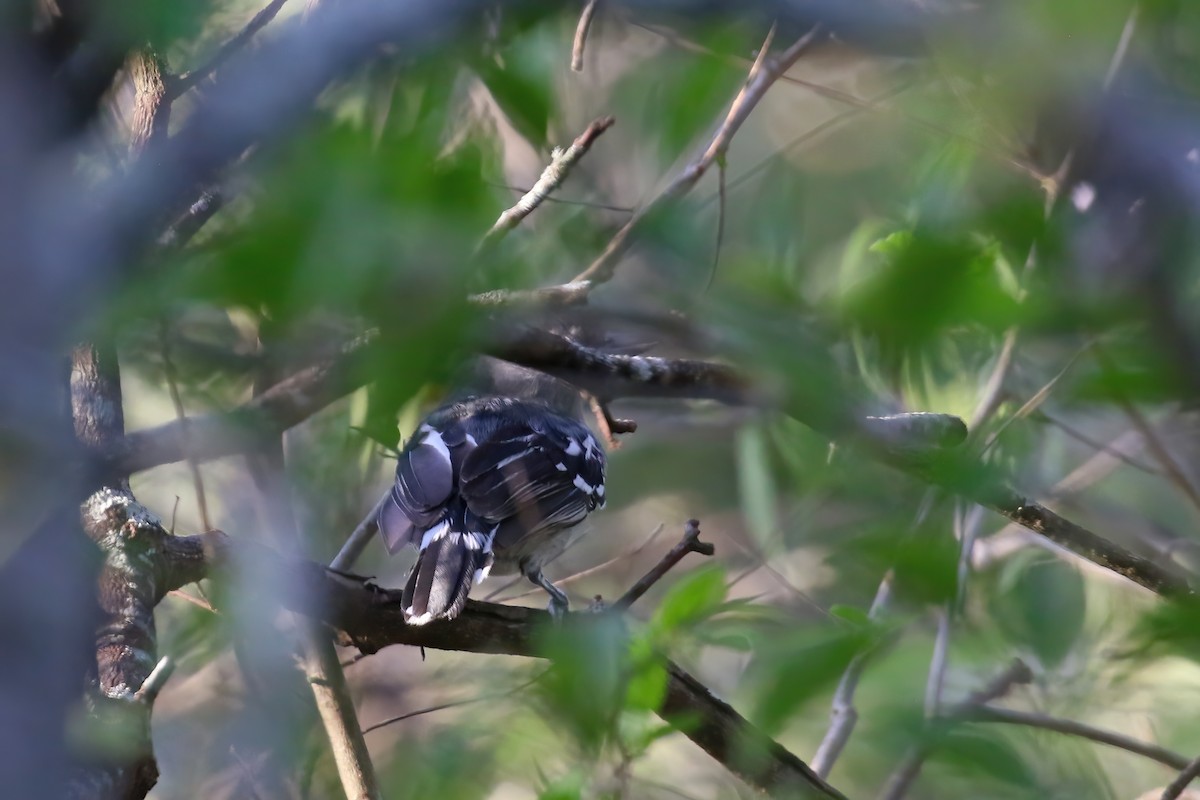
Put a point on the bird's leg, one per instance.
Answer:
(558, 604)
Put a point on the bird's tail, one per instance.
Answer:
(449, 563)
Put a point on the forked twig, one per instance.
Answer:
(690, 543)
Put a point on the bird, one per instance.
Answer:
(489, 484)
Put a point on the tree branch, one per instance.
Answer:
(764, 73)
(900, 440)
(582, 29)
(254, 423)
(370, 618)
(690, 543)
(912, 443)
(561, 164)
(1070, 727)
(187, 80)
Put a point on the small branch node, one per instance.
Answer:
(155, 681)
(690, 543)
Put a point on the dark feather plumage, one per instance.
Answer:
(487, 483)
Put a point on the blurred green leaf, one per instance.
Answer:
(522, 90)
(756, 485)
(584, 688)
(792, 668)
(693, 599)
(1041, 604)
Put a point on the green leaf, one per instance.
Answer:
(756, 486)
(793, 668)
(851, 614)
(647, 687)
(1041, 603)
(522, 88)
(694, 598)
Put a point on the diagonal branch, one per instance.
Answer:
(763, 74)
(561, 164)
(1070, 727)
(887, 439)
(252, 424)
(370, 618)
(239, 40)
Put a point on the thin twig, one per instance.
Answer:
(172, 377)
(199, 602)
(812, 134)
(581, 34)
(1033, 403)
(721, 169)
(689, 544)
(609, 425)
(456, 703)
(763, 75)
(155, 681)
(360, 537)
(857, 103)
(844, 716)
(564, 200)
(909, 768)
(1098, 446)
(189, 79)
(629, 555)
(552, 177)
(1070, 727)
(567, 294)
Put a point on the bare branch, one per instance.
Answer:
(844, 716)
(988, 713)
(189, 224)
(252, 424)
(321, 665)
(762, 76)
(581, 34)
(155, 681)
(690, 543)
(359, 538)
(172, 376)
(901, 779)
(568, 294)
(187, 80)
(552, 177)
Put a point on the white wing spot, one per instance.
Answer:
(600, 490)
(434, 533)
(573, 448)
(505, 462)
(561, 467)
(583, 485)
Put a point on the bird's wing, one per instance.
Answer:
(549, 478)
(424, 481)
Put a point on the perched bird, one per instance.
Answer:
(489, 484)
